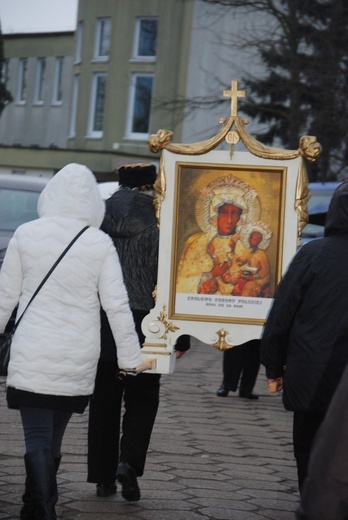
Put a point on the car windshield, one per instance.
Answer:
(320, 200)
(17, 207)
(318, 204)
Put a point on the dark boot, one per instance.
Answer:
(41, 476)
(28, 510)
(57, 463)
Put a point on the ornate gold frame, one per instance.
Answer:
(157, 323)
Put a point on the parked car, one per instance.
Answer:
(18, 200)
(318, 204)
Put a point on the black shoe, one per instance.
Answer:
(222, 391)
(127, 477)
(248, 395)
(105, 490)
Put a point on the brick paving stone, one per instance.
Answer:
(209, 457)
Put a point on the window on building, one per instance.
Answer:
(145, 42)
(79, 37)
(140, 106)
(40, 80)
(102, 39)
(58, 81)
(73, 115)
(22, 80)
(96, 113)
(4, 72)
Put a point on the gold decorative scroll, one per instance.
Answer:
(162, 140)
(159, 190)
(301, 200)
(221, 343)
(309, 148)
(169, 326)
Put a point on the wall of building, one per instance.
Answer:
(169, 68)
(198, 55)
(30, 123)
(220, 52)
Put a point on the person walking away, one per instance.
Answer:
(131, 222)
(55, 349)
(240, 365)
(305, 339)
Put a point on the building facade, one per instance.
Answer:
(96, 94)
(130, 68)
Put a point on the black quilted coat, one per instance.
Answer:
(130, 220)
(306, 333)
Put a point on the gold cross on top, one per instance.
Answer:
(234, 94)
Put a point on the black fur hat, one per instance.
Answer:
(136, 175)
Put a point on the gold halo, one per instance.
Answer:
(230, 190)
(261, 228)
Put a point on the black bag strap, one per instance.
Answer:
(48, 275)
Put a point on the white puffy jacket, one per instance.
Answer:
(56, 347)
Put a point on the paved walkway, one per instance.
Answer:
(210, 457)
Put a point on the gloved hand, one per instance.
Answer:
(121, 374)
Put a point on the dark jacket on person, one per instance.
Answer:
(325, 496)
(130, 220)
(306, 333)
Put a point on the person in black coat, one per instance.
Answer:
(325, 491)
(304, 345)
(130, 220)
(240, 365)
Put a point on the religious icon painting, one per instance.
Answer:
(226, 240)
(229, 219)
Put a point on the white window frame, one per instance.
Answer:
(103, 31)
(58, 81)
(22, 81)
(137, 56)
(40, 81)
(130, 133)
(75, 97)
(93, 106)
(79, 40)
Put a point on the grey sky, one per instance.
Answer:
(17, 16)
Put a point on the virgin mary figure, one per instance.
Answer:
(209, 257)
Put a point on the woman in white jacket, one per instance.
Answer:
(55, 350)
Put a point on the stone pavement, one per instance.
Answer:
(209, 458)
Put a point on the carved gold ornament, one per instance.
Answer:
(169, 326)
(221, 343)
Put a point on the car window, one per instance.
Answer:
(16, 208)
(318, 204)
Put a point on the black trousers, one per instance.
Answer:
(241, 363)
(131, 405)
(106, 445)
(305, 427)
